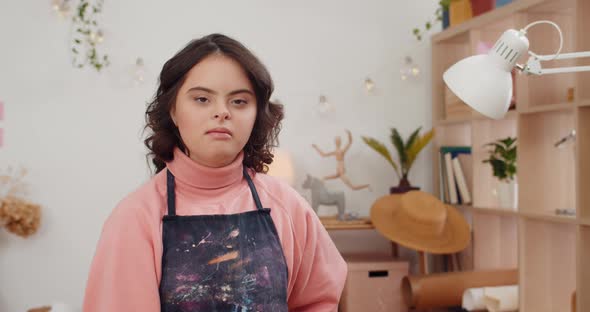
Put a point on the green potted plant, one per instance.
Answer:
(441, 14)
(407, 152)
(502, 159)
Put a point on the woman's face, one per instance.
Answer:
(215, 110)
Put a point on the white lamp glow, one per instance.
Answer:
(484, 82)
(282, 166)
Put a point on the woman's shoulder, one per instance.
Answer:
(144, 202)
(291, 212)
(279, 194)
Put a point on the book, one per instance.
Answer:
(460, 11)
(443, 189)
(451, 179)
(461, 182)
(466, 161)
(446, 173)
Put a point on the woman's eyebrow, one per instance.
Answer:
(198, 88)
(201, 89)
(241, 91)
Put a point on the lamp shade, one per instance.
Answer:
(484, 82)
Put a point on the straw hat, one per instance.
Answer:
(420, 221)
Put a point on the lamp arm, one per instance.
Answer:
(533, 65)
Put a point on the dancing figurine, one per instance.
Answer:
(339, 153)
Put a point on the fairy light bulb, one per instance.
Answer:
(324, 107)
(96, 36)
(409, 69)
(369, 85)
(62, 8)
(140, 72)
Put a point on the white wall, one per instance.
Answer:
(79, 132)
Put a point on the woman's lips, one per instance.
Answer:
(220, 133)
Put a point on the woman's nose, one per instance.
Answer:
(222, 113)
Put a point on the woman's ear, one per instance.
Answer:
(173, 116)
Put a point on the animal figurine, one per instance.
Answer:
(321, 196)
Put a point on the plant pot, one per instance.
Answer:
(507, 194)
(402, 189)
(403, 186)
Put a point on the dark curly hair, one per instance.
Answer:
(164, 136)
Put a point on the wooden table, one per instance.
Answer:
(332, 223)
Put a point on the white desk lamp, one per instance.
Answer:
(484, 82)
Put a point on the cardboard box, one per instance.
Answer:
(373, 284)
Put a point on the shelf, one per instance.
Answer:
(497, 211)
(583, 165)
(490, 211)
(583, 44)
(453, 134)
(554, 89)
(583, 286)
(551, 251)
(497, 14)
(511, 114)
(548, 217)
(502, 13)
(548, 108)
(548, 262)
(446, 105)
(452, 121)
(484, 132)
(546, 174)
(527, 215)
(462, 207)
(332, 223)
(495, 241)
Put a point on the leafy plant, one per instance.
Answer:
(443, 5)
(88, 36)
(502, 158)
(407, 151)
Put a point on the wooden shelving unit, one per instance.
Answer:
(552, 252)
(332, 223)
(452, 121)
(496, 211)
(548, 108)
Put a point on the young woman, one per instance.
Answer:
(210, 231)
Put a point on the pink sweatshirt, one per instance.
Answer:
(127, 266)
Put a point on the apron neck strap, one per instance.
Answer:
(170, 193)
(171, 196)
(253, 190)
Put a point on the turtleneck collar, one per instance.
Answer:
(188, 171)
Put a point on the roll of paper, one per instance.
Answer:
(443, 290)
(473, 299)
(501, 299)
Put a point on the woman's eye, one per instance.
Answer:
(201, 99)
(240, 102)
